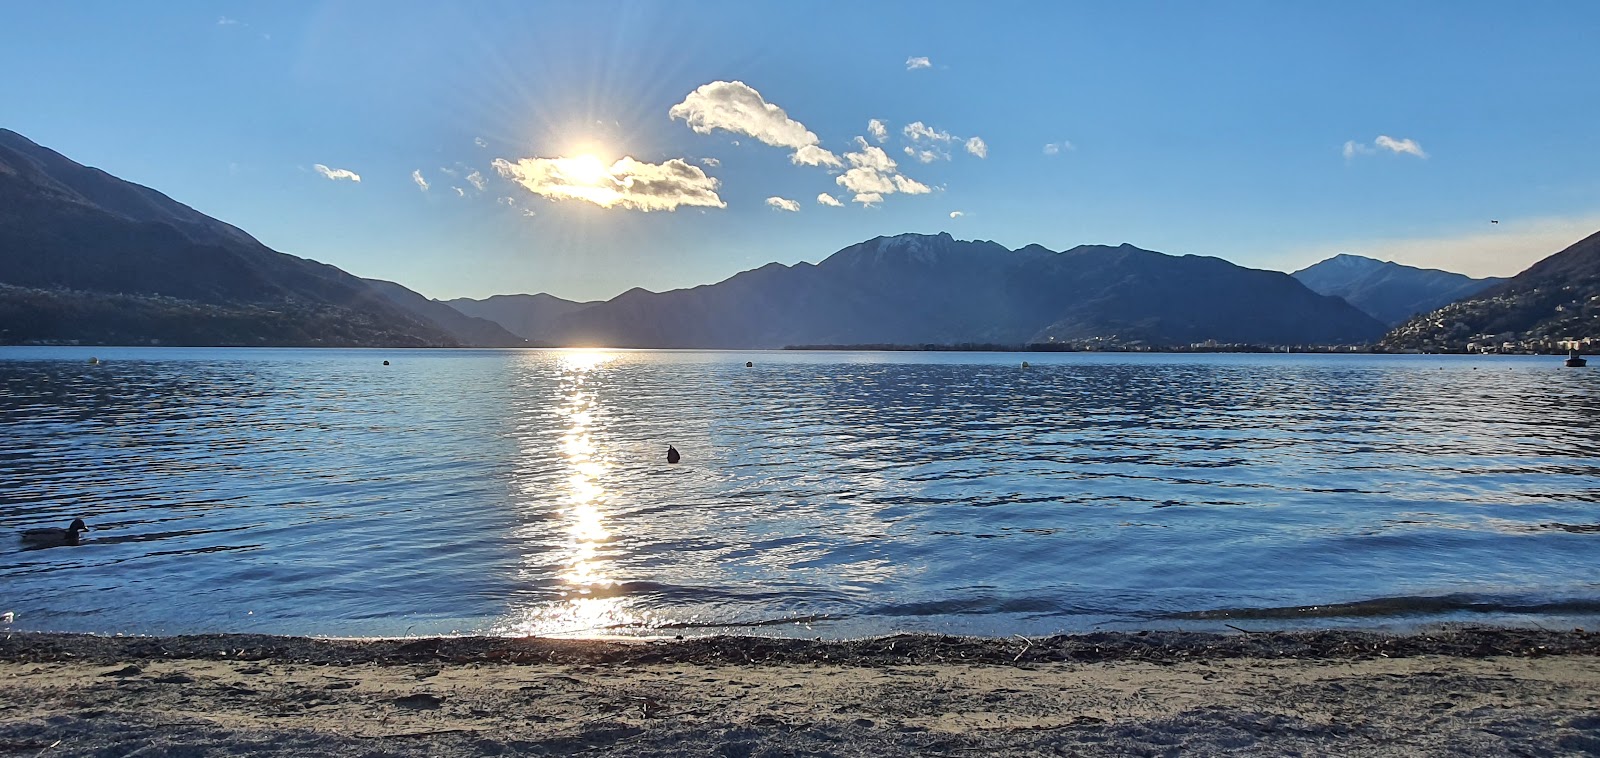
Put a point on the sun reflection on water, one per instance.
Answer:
(591, 601)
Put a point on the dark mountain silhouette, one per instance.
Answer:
(467, 330)
(528, 316)
(922, 289)
(1389, 292)
(1556, 299)
(87, 256)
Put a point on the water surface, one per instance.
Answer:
(840, 494)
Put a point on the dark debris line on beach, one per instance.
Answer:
(1153, 647)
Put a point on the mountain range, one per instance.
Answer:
(1554, 300)
(915, 289)
(87, 257)
(1389, 292)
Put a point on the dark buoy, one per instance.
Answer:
(1576, 361)
(672, 455)
(749, 364)
(385, 363)
(94, 361)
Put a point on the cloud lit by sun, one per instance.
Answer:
(627, 183)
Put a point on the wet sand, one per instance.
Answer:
(1463, 691)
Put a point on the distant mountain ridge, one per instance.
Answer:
(934, 289)
(88, 257)
(1389, 292)
(528, 316)
(1552, 301)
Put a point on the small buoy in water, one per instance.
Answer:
(672, 454)
(749, 364)
(385, 363)
(93, 360)
(1024, 364)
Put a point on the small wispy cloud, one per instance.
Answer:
(1057, 148)
(830, 200)
(915, 62)
(476, 180)
(956, 214)
(422, 184)
(479, 142)
(878, 129)
(1353, 148)
(710, 162)
(337, 174)
(867, 199)
(459, 192)
(978, 147)
(925, 156)
(506, 201)
(783, 204)
(1393, 145)
(225, 21)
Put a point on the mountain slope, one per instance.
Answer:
(1389, 292)
(922, 289)
(466, 330)
(71, 236)
(528, 316)
(1556, 299)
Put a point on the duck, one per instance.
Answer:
(55, 537)
(672, 454)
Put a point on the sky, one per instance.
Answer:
(467, 149)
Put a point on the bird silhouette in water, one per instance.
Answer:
(672, 454)
(55, 537)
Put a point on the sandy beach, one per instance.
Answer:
(1463, 691)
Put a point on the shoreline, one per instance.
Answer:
(1464, 641)
(1466, 690)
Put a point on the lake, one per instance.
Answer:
(820, 494)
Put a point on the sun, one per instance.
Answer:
(585, 169)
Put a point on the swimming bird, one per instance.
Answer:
(672, 454)
(1494, 221)
(55, 537)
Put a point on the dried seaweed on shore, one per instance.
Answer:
(896, 650)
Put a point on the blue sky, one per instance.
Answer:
(1248, 130)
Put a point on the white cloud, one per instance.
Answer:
(225, 21)
(479, 142)
(925, 156)
(337, 173)
(737, 107)
(627, 183)
(1400, 145)
(459, 192)
(874, 174)
(878, 129)
(448, 171)
(1353, 148)
(506, 201)
(827, 199)
(978, 147)
(1056, 148)
(915, 62)
(476, 180)
(710, 162)
(811, 155)
(528, 212)
(956, 214)
(783, 204)
(422, 184)
(917, 131)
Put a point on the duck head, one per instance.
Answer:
(78, 526)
